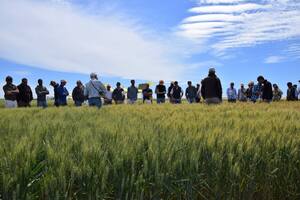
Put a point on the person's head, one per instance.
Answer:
(176, 83)
(189, 83)
(24, 81)
(295, 86)
(289, 84)
(118, 84)
(275, 86)
(108, 87)
(78, 83)
(260, 79)
(211, 72)
(40, 82)
(198, 85)
(53, 83)
(161, 82)
(63, 82)
(9, 80)
(251, 84)
(172, 83)
(132, 82)
(231, 85)
(93, 76)
(147, 86)
(242, 85)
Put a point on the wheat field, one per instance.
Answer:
(230, 151)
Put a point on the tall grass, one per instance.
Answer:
(241, 151)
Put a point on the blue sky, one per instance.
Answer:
(150, 40)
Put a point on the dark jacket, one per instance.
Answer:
(41, 93)
(25, 94)
(267, 91)
(211, 87)
(118, 94)
(191, 92)
(291, 94)
(78, 94)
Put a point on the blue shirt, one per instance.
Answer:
(231, 93)
(256, 92)
(62, 95)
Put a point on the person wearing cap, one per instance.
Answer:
(176, 93)
(298, 92)
(108, 96)
(132, 93)
(55, 87)
(231, 94)
(25, 96)
(257, 90)
(211, 88)
(41, 93)
(277, 93)
(94, 90)
(118, 94)
(78, 94)
(63, 93)
(191, 92)
(10, 93)
(147, 94)
(242, 95)
(160, 91)
(267, 91)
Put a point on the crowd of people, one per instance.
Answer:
(209, 91)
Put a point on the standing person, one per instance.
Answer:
(132, 93)
(267, 92)
(25, 94)
(62, 93)
(231, 94)
(242, 95)
(277, 93)
(256, 92)
(249, 91)
(108, 96)
(211, 89)
(10, 93)
(93, 91)
(296, 92)
(176, 93)
(41, 93)
(290, 94)
(55, 87)
(160, 91)
(118, 94)
(191, 92)
(78, 94)
(198, 96)
(147, 95)
(169, 92)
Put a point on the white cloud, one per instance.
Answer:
(233, 24)
(274, 59)
(61, 37)
(238, 8)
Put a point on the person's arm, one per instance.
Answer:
(181, 93)
(220, 89)
(31, 95)
(37, 91)
(74, 94)
(202, 90)
(66, 92)
(128, 91)
(186, 93)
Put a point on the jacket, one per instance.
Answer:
(211, 87)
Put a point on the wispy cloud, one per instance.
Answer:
(60, 36)
(228, 24)
(274, 59)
